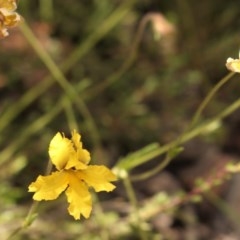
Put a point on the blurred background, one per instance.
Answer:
(142, 68)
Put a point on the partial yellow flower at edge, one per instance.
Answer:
(8, 18)
(10, 5)
(233, 65)
(73, 176)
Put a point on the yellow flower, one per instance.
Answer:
(73, 175)
(8, 18)
(233, 64)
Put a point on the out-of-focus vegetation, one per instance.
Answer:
(141, 68)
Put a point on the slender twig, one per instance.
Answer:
(34, 127)
(209, 97)
(62, 81)
(133, 200)
(32, 213)
(84, 47)
(92, 92)
(201, 129)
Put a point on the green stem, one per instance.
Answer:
(46, 9)
(29, 219)
(62, 81)
(209, 97)
(207, 126)
(99, 216)
(133, 200)
(153, 171)
(15, 233)
(71, 119)
(34, 127)
(125, 66)
(28, 131)
(10, 114)
(99, 33)
(31, 216)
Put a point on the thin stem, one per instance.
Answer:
(153, 171)
(34, 127)
(195, 119)
(62, 81)
(99, 33)
(209, 97)
(29, 219)
(125, 66)
(10, 114)
(49, 167)
(203, 128)
(71, 119)
(31, 216)
(99, 216)
(16, 232)
(46, 9)
(133, 200)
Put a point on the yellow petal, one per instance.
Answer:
(10, 5)
(233, 65)
(78, 196)
(8, 18)
(49, 187)
(11, 19)
(61, 151)
(3, 32)
(76, 139)
(82, 154)
(98, 177)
